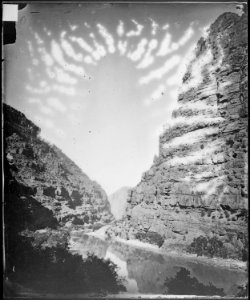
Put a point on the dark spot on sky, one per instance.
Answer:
(90, 131)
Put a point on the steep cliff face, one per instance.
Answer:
(198, 183)
(50, 177)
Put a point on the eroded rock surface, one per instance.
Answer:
(198, 183)
(50, 177)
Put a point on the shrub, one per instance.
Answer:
(77, 221)
(150, 237)
(184, 284)
(208, 247)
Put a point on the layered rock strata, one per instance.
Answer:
(198, 183)
(50, 177)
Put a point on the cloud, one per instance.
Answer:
(89, 60)
(34, 100)
(33, 90)
(38, 38)
(165, 27)
(99, 50)
(140, 50)
(107, 37)
(69, 50)
(62, 77)
(59, 58)
(186, 37)
(120, 29)
(30, 48)
(160, 72)
(56, 104)
(122, 47)
(70, 91)
(86, 25)
(148, 59)
(164, 47)
(82, 43)
(136, 32)
(176, 78)
(73, 27)
(154, 26)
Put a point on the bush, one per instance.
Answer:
(184, 284)
(58, 271)
(207, 246)
(150, 237)
(77, 221)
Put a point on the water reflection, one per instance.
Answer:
(184, 284)
(154, 273)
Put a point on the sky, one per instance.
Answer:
(100, 80)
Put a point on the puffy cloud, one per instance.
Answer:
(140, 50)
(86, 25)
(120, 28)
(107, 37)
(56, 52)
(34, 100)
(176, 78)
(59, 58)
(165, 27)
(65, 90)
(148, 59)
(56, 104)
(69, 50)
(82, 43)
(73, 27)
(160, 72)
(34, 90)
(186, 37)
(30, 48)
(155, 26)
(63, 77)
(99, 50)
(136, 32)
(43, 84)
(38, 38)
(164, 47)
(89, 60)
(122, 47)
(45, 57)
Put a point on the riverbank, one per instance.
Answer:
(215, 261)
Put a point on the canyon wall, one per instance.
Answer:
(49, 176)
(198, 183)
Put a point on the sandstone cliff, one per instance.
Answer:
(198, 183)
(50, 177)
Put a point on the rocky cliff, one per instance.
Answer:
(198, 183)
(49, 177)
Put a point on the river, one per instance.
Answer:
(146, 270)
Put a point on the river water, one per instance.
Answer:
(147, 271)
